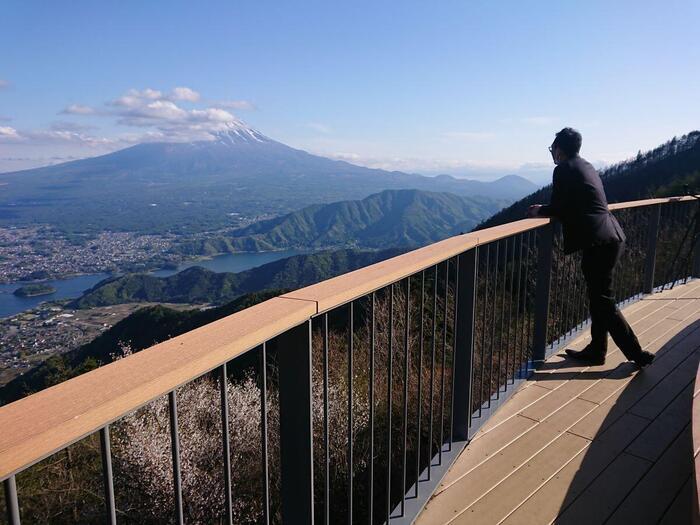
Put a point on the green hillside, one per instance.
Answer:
(198, 285)
(403, 218)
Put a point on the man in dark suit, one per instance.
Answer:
(578, 201)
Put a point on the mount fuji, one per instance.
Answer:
(199, 186)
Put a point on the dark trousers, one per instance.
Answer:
(598, 263)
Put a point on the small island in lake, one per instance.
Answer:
(32, 290)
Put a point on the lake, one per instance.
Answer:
(74, 286)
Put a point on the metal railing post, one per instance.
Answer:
(107, 478)
(464, 348)
(544, 278)
(695, 269)
(296, 432)
(650, 262)
(11, 501)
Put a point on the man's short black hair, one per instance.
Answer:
(569, 141)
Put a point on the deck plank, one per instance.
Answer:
(560, 491)
(650, 498)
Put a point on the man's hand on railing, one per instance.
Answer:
(534, 211)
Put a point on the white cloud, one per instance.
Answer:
(184, 93)
(320, 128)
(78, 109)
(8, 133)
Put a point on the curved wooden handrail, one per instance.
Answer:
(39, 425)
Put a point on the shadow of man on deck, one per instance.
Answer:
(638, 467)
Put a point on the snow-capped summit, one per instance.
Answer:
(237, 132)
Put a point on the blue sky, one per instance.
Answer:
(472, 87)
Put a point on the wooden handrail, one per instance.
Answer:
(41, 424)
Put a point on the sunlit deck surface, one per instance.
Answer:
(599, 444)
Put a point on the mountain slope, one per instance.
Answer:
(199, 186)
(661, 171)
(143, 328)
(199, 285)
(391, 218)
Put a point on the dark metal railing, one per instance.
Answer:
(364, 406)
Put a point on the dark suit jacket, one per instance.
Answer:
(579, 202)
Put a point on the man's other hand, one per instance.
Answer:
(534, 210)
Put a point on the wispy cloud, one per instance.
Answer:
(163, 116)
(184, 93)
(77, 109)
(8, 133)
(242, 105)
(4, 83)
(319, 127)
(540, 120)
(469, 136)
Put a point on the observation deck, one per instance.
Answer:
(590, 444)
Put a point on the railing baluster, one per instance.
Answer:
(519, 314)
(650, 261)
(350, 419)
(226, 447)
(454, 352)
(108, 481)
(326, 449)
(296, 424)
(420, 377)
(695, 254)
(175, 448)
(371, 410)
(511, 334)
(388, 401)
(482, 350)
(462, 363)
(442, 361)
(531, 242)
(501, 326)
(406, 348)
(492, 340)
(432, 370)
(11, 501)
(263, 431)
(544, 271)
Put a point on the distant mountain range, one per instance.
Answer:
(662, 171)
(399, 218)
(200, 186)
(197, 285)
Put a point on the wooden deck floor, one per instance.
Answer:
(599, 444)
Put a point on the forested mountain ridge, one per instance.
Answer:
(198, 285)
(661, 171)
(398, 218)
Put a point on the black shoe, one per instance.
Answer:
(588, 355)
(643, 359)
